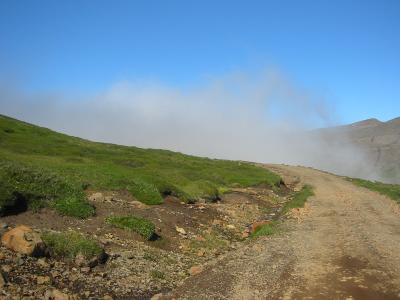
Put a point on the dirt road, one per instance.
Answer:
(346, 247)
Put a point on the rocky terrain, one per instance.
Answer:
(343, 245)
(191, 236)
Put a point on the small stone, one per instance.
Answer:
(161, 296)
(230, 226)
(216, 222)
(42, 280)
(54, 294)
(42, 262)
(180, 230)
(80, 260)
(96, 197)
(245, 234)
(201, 253)
(2, 281)
(85, 270)
(128, 254)
(6, 268)
(195, 270)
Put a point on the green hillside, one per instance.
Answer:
(41, 167)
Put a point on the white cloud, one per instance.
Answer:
(261, 118)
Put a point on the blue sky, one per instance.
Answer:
(346, 51)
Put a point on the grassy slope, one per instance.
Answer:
(146, 173)
(390, 190)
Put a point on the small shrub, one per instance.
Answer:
(157, 274)
(299, 198)
(201, 189)
(150, 257)
(146, 192)
(69, 244)
(74, 206)
(265, 230)
(36, 188)
(142, 226)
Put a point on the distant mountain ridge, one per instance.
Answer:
(379, 140)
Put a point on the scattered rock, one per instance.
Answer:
(42, 262)
(97, 197)
(230, 226)
(109, 198)
(128, 255)
(42, 280)
(180, 230)
(201, 253)
(58, 295)
(6, 268)
(80, 260)
(24, 240)
(138, 204)
(195, 270)
(85, 270)
(2, 281)
(161, 296)
(217, 222)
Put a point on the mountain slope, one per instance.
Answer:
(146, 173)
(380, 141)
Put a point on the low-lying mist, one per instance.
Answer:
(261, 118)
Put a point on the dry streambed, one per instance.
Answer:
(188, 236)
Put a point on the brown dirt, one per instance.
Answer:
(345, 247)
(136, 268)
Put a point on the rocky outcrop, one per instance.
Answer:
(24, 240)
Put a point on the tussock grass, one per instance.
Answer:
(390, 190)
(297, 201)
(22, 185)
(147, 173)
(142, 226)
(299, 198)
(69, 244)
(265, 230)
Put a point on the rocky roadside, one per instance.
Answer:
(135, 269)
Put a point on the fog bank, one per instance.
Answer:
(262, 118)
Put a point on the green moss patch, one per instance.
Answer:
(142, 226)
(265, 230)
(299, 198)
(69, 244)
